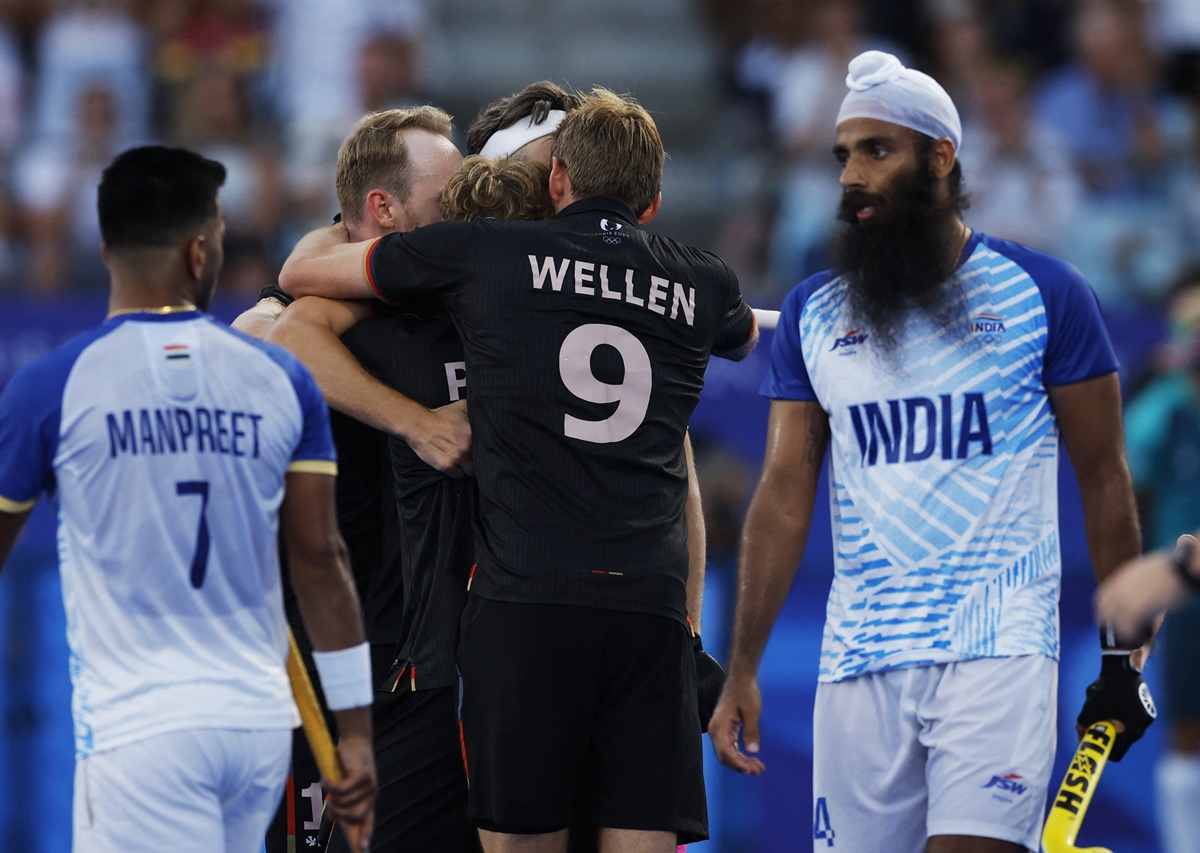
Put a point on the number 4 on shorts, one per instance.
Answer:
(822, 828)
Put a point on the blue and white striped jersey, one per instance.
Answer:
(165, 440)
(944, 459)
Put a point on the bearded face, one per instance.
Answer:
(897, 248)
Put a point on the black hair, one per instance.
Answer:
(536, 99)
(959, 198)
(150, 196)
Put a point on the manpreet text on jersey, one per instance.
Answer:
(158, 431)
(592, 280)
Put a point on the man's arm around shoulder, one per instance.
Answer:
(326, 263)
(312, 328)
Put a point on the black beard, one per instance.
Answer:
(902, 258)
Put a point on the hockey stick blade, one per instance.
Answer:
(1075, 794)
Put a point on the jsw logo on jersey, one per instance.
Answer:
(1010, 783)
(851, 339)
(916, 428)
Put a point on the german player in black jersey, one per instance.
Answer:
(586, 341)
(424, 788)
(390, 173)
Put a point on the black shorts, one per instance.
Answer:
(422, 805)
(577, 715)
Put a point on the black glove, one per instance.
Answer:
(1119, 694)
(710, 678)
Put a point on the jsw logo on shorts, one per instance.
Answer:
(1008, 783)
(850, 339)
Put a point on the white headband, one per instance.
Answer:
(504, 142)
(882, 88)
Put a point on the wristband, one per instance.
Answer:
(1110, 644)
(345, 677)
(1181, 562)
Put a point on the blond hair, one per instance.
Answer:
(508, 188)
(610, 146)
(375, 156)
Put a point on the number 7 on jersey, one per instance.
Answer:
(200, 556)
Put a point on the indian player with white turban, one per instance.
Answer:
(939, 368)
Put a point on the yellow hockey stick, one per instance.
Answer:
(311, 716)
(1071, 803)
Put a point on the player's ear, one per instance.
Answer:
(382, 207)
(651, 211)
(196, 254)
(942, 158)
(560, 182)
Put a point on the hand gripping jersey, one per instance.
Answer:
(585, 339)
(165, 440)
(944, 459)
(437, 512)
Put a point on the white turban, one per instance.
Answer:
(882, 88)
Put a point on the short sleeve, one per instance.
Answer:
(737, 323)
(30, 416)
(1078, 346)
(420, 267)
(314, 452)
(787, 374)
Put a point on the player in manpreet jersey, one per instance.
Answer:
(939, 367)
(173, 447)
(582, 555)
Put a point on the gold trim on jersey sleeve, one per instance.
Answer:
(313, 466)
(14, 507)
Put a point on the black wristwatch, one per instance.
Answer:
(1181, 562)
(274, 291)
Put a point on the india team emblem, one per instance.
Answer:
(988, 328)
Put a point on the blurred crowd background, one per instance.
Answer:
(1082, 117)
(1081, 138)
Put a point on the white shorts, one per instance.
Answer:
(199, 790)
(962, 748)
